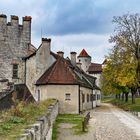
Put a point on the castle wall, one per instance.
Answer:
(14, 42)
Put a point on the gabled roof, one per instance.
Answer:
(95, 68)
(58, 73)
(63, 72)
(83, 53)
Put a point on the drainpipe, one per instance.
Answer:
(25, 72)
(79, 99)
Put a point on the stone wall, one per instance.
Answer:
(42, 129)
(14, 45)
(19, 92)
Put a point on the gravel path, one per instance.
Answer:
(107, 123)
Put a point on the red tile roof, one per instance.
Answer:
(95, 68)
(63, 72)
(58, 73)
(83, 53)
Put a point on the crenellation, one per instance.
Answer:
(14, 42)
(14, 21)
(3, 19)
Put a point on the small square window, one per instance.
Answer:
(67, 96)
(15, 70)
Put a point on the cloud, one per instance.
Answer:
(91, 42)
(72, 24)
(61, 17)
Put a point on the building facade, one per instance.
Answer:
(93, 69)
(45, 74)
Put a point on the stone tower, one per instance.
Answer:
(84, 59)
(15, 42)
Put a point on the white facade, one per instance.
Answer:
(85, 62)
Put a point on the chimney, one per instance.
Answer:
(26, 21)
(79, 65)
(3, 19)
(60, 53)
(73, 58)
(14, 20)
(47, 43)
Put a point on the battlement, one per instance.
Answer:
(14, 21)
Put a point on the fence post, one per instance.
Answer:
(83, 126)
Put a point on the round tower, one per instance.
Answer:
(84, 59)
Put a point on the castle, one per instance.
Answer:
(44, 73)
(15, 44)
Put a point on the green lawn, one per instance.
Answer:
(125, 105)
(71, 119)
(15, 120)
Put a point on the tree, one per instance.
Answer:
(127, 38)
(118, 74)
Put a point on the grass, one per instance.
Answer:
(128, 106)
(15, 120)
(71, 119)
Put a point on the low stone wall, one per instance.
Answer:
(42, 129)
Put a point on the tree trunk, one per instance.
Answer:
(133, 95)
(126, 97)
(133, 98)
(119, 96)
(122, 96)
(116, 96)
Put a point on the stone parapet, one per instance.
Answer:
(42, 129)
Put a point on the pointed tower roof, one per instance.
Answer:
(83, 53)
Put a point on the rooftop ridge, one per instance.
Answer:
(83, 53)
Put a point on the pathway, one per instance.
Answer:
(107, 123)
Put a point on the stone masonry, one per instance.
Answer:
(15, 40)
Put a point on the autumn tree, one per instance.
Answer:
(127, 37)
(119, 73)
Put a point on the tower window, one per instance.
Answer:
(15, 70)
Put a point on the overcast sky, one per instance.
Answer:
(72, 24)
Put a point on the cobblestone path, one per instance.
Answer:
(107, 123)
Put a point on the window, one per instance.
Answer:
(98, 96)
(67, 96)
(79, 60)
(94, 97)
(38, 95)
(15, 70)
(85, 60)
(87, 97)
(91, 97)
(83, 98)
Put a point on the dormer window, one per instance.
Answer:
(15, 71)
